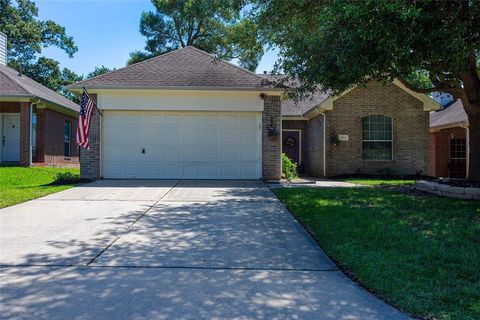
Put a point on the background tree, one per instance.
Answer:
(339, 44)
(216, 26)
(27, 35)
(98, 71)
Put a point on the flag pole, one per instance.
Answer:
(94, 103)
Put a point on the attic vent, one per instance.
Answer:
(3, 49)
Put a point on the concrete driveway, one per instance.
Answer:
(117, 249)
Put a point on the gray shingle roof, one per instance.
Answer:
(185, 67)
(292, 108)
(12, 84)
(299, 108)
(452, 116)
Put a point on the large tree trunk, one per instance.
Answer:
(471, 104)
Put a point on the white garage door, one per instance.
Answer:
(181, 145)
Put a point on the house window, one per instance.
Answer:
(377, 137)
(458, 149)
(67, 134)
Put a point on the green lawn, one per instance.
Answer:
(421, 254)
(19, 184)
(379, 181)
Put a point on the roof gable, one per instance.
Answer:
(185, 67)
(13, 84)
(452, 116)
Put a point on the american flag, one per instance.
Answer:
(86, 111)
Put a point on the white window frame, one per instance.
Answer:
(69, 137)
(391, 140)
(465, 142)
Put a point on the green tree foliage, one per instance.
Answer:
(216, 26)
(27, 35)
(98, 71)
(428, 45)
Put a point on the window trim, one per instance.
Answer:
(464, 142)
(69, 139)
(392, 157)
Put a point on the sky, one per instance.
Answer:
(105, 32)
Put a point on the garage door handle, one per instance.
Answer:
(143, 150)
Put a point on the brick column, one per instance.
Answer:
(271, 144)
(90, 159)
(25, 133)
(40, 143)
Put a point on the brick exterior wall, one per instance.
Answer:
(40, 140)
(53, 138)
(314, 147)
(90, 159)
(271, 145)
(440, 149)
(410, 130)
(25, 133)
(9, 107)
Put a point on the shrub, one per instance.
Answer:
(62, 178)
(289, 169)
(387, 172)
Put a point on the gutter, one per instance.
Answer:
(462, 124)
(259, 89)
(324, 145)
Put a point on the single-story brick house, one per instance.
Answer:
(371, 129)
(188, 115)
(449, 142)
(37, 124)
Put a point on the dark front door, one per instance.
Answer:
(291, 145)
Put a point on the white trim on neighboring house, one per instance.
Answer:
(462, 124)
(467, 164)
(299, 143)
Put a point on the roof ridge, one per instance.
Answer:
(15, 80)
(225, 61)
(128, 66)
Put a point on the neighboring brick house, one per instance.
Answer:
(370, 129)
(449, 142)
(37, 124)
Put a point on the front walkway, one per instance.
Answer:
(169, 250)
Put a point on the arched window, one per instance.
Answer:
(377, 137)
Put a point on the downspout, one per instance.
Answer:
(324, 145)
(30, 147)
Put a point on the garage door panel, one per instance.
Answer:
(113, 153)
(230, 121)
(199, 145)
(209, 153)
(190, 153)
(173, 121)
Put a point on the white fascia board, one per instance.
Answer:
(180, 100)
